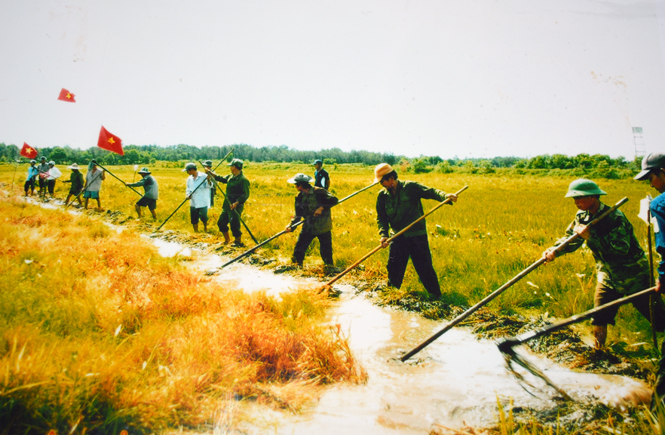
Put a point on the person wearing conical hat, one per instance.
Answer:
(398, 204)
(313, 205)
(30, 181)
(149, 199)
(76, 179)
(621, 265)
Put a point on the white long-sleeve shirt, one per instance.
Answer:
(54, 173)
(201, 197)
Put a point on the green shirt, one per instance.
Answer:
(401, 209)
(620, 260)
(307, 203)
(237, 189)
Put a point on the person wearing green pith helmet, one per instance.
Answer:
(621, 266)
(237, 193)
(313, 206)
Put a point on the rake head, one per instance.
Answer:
(506, 347)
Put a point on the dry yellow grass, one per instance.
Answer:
(99, 333)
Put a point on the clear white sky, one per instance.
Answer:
(472, 78)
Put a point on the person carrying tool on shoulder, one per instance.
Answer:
(237, 193)
(151, 195)
(313, 205)
(653, 169)
(321, 176)
(398, 205)
(622, 268)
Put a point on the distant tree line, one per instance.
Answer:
(598, 164)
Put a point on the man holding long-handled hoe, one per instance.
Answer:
(397, 206)
(313, 205)
(198, 192)
(76, 179)
(237, 193)
(93, 184)
(149, 199)
(621, 265)
(653, 169)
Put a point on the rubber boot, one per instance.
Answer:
(238, 242)
(227, 239)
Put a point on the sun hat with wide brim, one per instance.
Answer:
(381, 170)
(73, 166)
(144, 171)
(300, 178)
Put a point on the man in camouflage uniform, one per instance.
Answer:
(621, 266)
(397, 206)
(313, 205)
(237, 192)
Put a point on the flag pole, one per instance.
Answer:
(113, 175)
(14, 177)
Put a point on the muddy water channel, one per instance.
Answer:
(453, 383)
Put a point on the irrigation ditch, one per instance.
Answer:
(453, 386)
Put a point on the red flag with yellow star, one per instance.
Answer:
(28, 152)
(65, 95)
(110, 142)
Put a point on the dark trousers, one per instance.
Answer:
(416, 248)
(42, 185)
(325, 247)
(51, 186)
(230, 217)
(29, 185)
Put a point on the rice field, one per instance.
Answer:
(499, 226)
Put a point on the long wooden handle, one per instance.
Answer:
(373, 251)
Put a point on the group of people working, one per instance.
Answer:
(621, 263)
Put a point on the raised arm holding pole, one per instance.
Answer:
(505, 287)
(387, 241)
(205, 180)
(293, 226)
(113, 175)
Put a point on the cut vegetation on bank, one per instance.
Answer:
(99, 333)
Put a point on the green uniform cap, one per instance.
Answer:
(583, 187)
